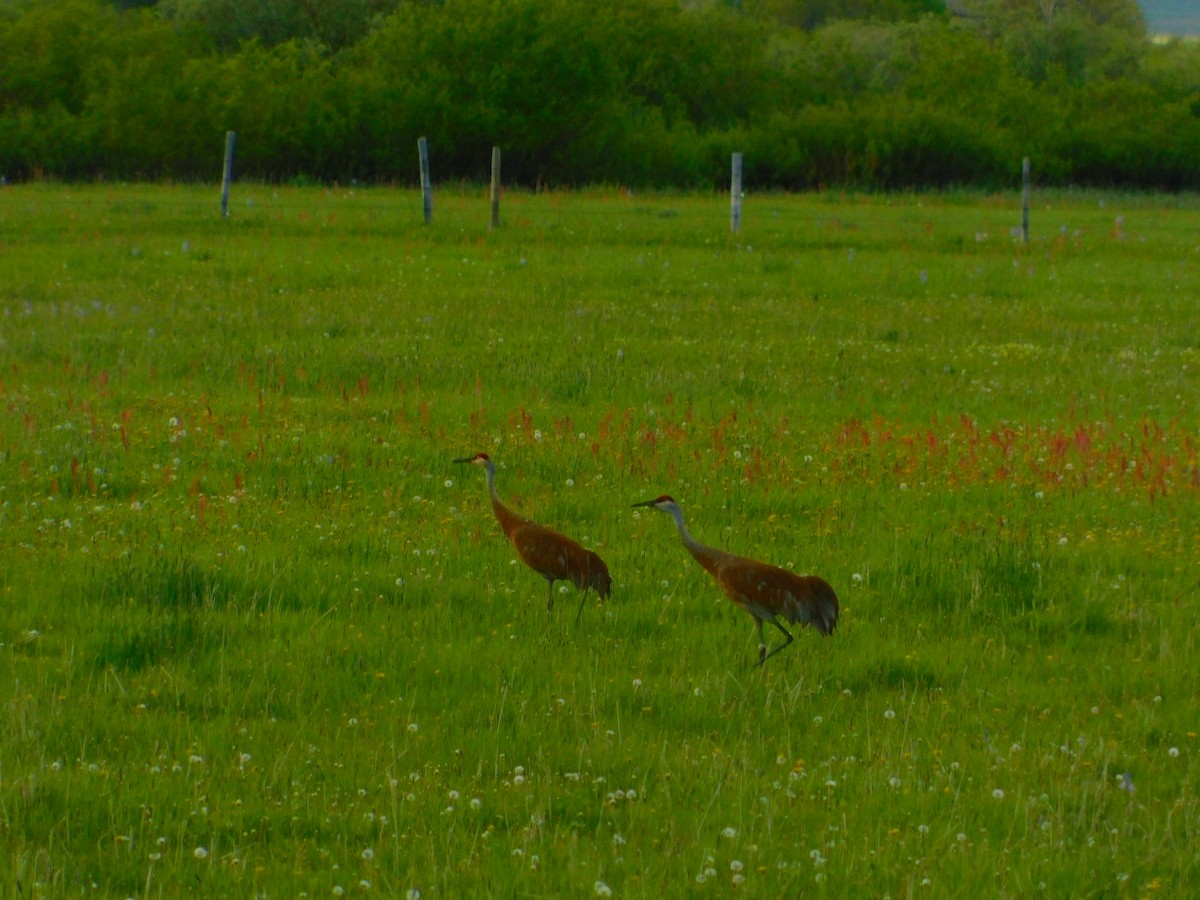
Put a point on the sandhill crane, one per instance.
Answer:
(767, 592)
(553, 556)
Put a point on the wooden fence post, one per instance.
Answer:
(426, 186)
(227, 172)
(1025, 200)
(735, 195)
(495, 187)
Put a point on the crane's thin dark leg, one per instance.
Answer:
(549, 596)
(582, 597)
(762, 647)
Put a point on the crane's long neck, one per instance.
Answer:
(506, 517)
(708, 557)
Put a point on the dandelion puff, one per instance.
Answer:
(889, 714)
(729, 832)
(602, 889)
(998, 794)
(1173, 752)
(200, 853)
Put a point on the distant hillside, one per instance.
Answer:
(1181, 17)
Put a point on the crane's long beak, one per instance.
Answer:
(644, 503)
(465, 459)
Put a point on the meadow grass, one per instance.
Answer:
(259, 636)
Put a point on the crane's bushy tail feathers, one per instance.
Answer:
(594, 575)
(818, 609)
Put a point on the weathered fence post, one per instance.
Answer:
(495, 187)
(735, 195)
(426, 186)
(227, 175)
(1025, 200)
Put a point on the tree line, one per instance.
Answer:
(880, 94)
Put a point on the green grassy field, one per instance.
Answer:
(261, 637)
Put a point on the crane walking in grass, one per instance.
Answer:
(553, 556)
(767, 592)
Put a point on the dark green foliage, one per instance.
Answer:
(872, 93)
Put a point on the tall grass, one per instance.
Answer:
(260, 636)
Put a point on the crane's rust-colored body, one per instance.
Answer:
(552, 555)
(767, 592)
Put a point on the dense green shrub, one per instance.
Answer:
(643, 92)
